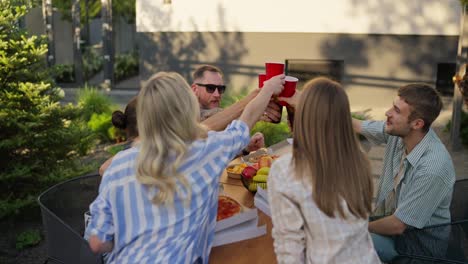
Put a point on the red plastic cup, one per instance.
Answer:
(261, 79)
(290, 84)
(273, 69)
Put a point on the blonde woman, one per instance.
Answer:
(157, 201)
(320, 195)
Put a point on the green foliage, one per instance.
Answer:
(93, 101)
(65, 8)
(101, 125)
(273, 133)
(126, 65)
(92, 63)
(28, 238)
(63, 73)
(38, 135)
(463, 127)
(231, 97)
(120, 8)
(115, 149)
(97, 110)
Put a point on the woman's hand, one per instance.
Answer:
(293, 100)
(274, 84)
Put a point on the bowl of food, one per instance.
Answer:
(255, 156)
(256, 175)
(234, 170)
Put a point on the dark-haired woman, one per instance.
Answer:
(126, 121)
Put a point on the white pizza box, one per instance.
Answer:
(246, 215)
(242, 231)
(261, 201)
(262, 204)
(262, 192)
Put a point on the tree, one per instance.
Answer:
(40, 139)
(462, 56)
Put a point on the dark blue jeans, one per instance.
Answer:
(385, 247)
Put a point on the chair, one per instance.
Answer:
(62, 207)
(459, 205)
(446, 243)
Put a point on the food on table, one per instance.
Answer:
(265, 161)
(236, 169)
(256, 159)
(255, 166)
(263, 171)
(253, 186)
(253, 178)
(260, 178)
(227, 207)
(249, 172)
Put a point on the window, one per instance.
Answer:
(308, 69)
(445, 73)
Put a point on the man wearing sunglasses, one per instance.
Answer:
(208, 86)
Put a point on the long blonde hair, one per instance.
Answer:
(167, 114)
(326, 151)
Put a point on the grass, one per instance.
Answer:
(28, 238)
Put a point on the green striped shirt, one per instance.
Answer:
(424, 194)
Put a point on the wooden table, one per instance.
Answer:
(255, 250)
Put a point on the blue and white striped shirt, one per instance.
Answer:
(424, 194)
(146, 233)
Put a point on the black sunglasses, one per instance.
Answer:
(210, 88)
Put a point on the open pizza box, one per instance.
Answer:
(241, 226)
(261, 201)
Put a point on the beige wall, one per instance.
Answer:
(420, 17)
(374, 65)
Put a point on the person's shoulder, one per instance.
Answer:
(126, 154)
(281, 167)
(436, 150)
(437, 162)
(122, 165)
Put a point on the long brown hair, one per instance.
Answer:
(326, 151)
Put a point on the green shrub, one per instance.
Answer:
(97, 110)
(93, 101)
(63, 73)
(39, 136)
(28, 238)
(101, 125)
(231, 97)
(115, 149)
(92, 63)
(126, 65)
(273, 133)
(463, 127)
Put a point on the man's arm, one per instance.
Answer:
(357, 125)
(98, 246)
(389, 225)
(220, 120)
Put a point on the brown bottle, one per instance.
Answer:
(281, 112)
(290, 111)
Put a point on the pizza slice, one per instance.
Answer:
(227, 207)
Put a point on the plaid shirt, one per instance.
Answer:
(170, 233)
(303, 233)
(424, 193)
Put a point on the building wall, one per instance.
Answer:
(418, 17)
(374, 65)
